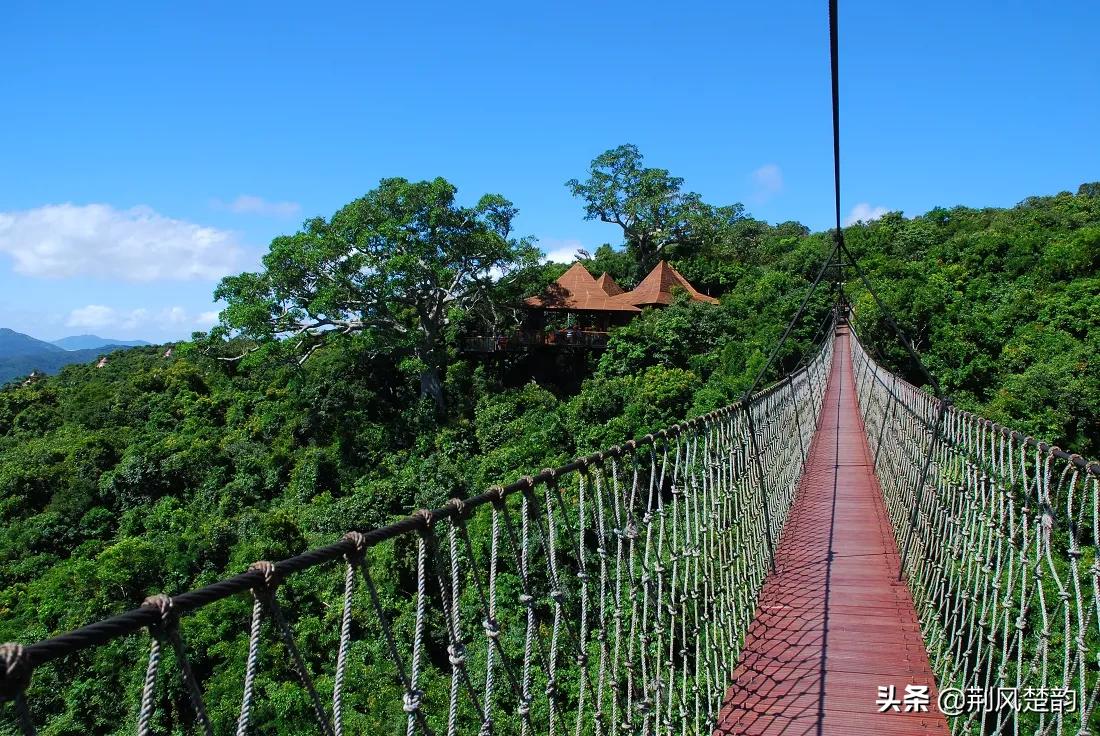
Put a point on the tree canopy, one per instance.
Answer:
(401, 262)
(648, 204)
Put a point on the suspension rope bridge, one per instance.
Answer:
(764, 568)
(770, 567)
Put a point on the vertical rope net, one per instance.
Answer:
(610, 596)
(998, 539)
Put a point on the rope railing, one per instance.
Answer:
(608, 595)
(997, 533)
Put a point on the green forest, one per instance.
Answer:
(334, 394)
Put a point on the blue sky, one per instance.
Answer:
(147, 150)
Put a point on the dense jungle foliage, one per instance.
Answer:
(163, 473)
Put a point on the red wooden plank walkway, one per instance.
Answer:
(833, 622)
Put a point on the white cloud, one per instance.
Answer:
(767, 182)
(207, 319)
(99, 316)
(560, 251)
(138, 244)
(864, 212)
(250, 204)
(93, 315)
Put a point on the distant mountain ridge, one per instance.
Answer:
(15, 344)
(20, 354)
(91, 342)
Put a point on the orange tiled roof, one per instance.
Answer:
(577, 290)
(608, 284)
(656, 288)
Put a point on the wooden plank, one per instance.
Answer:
(833, 623)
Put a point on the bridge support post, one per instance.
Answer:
(918, 495)
(746, 405)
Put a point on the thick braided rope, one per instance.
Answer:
(13, 665)
(148, 690)
(556, 597)
(167, 629)
(582, 576)
(252, 664)
(528, 601)
(413, 694)
(282, 626)
(492, 629)
(456, 646)
(344, 646)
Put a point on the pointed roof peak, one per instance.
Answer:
(656, 288)
(577, 271)
(577, 289)
(608, 284)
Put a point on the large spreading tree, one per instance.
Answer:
(401, 262)
(648, 204)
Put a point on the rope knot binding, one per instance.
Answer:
(459, 507)
(163, 605)
(267, 569)
(426, 518)
(456, 654)
(360, 544)
(411, 700)
(496, 493)
(161, 602)
(15, 670)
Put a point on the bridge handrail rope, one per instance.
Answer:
(1001, 532)
(637, 567)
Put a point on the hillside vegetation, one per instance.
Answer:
(162, 473)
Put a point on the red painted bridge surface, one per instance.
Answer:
(833, 623)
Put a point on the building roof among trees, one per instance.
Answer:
(608, 284)
(656, 288)
(576, 290)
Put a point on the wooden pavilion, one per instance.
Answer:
(656, 289)
(578, 310)
(592, 306)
